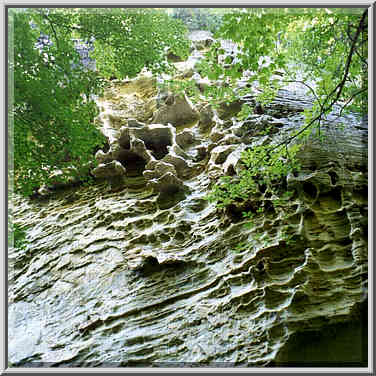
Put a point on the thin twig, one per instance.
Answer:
(341, 84)
(350, 99)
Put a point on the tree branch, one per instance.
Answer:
(340, 86)
(348, 32)
(349, 100)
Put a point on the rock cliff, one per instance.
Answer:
(140, 270)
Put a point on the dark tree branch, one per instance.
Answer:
(350, 100)
(361, 57)
(338, 89)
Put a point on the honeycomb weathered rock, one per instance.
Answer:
(156, 275)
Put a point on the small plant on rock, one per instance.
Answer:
(263, 165)
(19, 236)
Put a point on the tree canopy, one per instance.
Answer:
(54, 87)
(328, 46)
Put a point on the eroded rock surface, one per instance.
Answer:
(153, 274)
(177, 110)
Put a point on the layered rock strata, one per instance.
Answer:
(152, 274)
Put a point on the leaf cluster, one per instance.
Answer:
(17, 236)
(127, 40)
(263, 166)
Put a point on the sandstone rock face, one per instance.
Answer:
(127, 99)
(206, 117)
(185, 139)
(113, 170)
(226, 111)
(173, 57)
(154, 274)
(177, 111)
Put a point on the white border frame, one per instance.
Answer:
(191, 3)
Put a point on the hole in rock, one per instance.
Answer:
(344, 344)
(269, 207)
(179, 236)
(158, 150)
(312, 165)
(170, 197)
(152, 239)
(295, 207)
(260, 266)
(157, 144)
(333, 177)
(358, 167)
(362, 192)
(231, 171)
(345, 242)
(235, 213)
(310, 189)
(151, 265)
(132, 162)
(125, 142)
(164, 238)
(363, 168)
(184, 227)
(336, 195)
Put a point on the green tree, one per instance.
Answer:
(54, 91)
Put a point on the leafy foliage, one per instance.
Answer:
(263, 166)
(55, 89)
(53, 111)
(315, 43)
(245, 112)
(322, 49)
(127, 40)
(329, 36)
